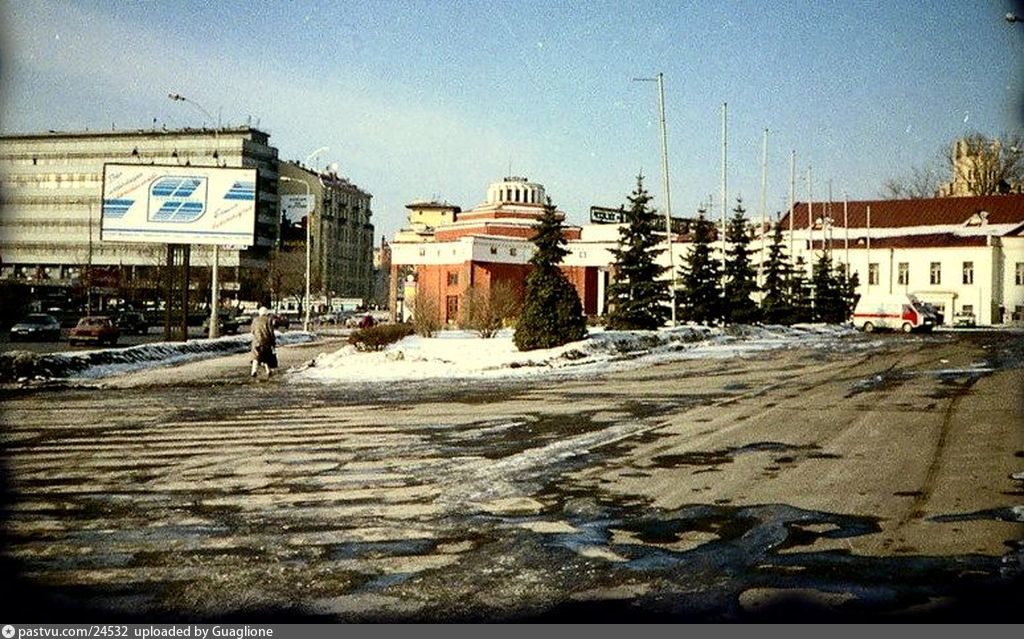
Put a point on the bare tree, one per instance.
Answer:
(426, 318)
(972, 165)
(488, 310)
(984, 166)
(918, 183)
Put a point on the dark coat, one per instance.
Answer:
(263, 338)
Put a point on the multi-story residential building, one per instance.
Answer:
(341, 233)
(51, 205)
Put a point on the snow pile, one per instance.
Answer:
(461, 354)
(17, 365)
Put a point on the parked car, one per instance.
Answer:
(131, 322)
(227, 324)
(97, 328)
(964, 319)
(36, 327)
(281, 321)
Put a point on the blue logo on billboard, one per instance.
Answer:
(177, 199)
(241, 191)
(116, 208)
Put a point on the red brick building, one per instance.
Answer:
(454, 250)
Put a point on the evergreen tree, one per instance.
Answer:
(829, 306)
(776, 305)
(636, 299)
(700, 297)
(850, 284)
(740, 277)
(552, 314)
(799, 294)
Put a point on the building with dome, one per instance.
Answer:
(445, 252)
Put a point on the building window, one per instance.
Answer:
(936, 273)
(1019, 278)
(453, 279)
(903, 276)
(873, 274)
(968, 272)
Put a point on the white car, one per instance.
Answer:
(965, 318)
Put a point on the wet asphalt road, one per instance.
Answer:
(866, 479)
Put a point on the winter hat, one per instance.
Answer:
(264, 310)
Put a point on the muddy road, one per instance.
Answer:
(872, 478)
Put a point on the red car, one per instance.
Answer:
(97, 328)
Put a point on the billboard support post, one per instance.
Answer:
(176, 292)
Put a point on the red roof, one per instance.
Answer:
(925, 240)
(1001, 209)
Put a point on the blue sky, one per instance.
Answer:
(419, 99)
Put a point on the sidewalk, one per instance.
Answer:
(234, 367)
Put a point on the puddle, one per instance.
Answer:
(728, 455)
(1009, 513)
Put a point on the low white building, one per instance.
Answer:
(958, 253)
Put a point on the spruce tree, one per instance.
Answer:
(552, 314)
(850, 282)
(740, 277)
(776, 305)
(636, 298)
(828, 294)
(799, 294)
(700, 297)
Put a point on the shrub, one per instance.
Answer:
(376, 338)
(486, 313)
(426, 319)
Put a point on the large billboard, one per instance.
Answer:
(178, 204)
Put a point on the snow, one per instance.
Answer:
(458, 354)
(99, 363)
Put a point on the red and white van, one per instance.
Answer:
(894, 312)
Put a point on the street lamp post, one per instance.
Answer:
(309, 224)
(215, 267)
(668, 193)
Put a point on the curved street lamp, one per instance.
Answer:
(214, 275)
(309, 224)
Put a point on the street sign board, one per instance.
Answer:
(605, 215)
(295, 207)
(178, 204)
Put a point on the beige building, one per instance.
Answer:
(341, 233)
(50, 212)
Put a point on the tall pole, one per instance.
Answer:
(88, 278)
(668, 198)
(309, 224)
(725, 180)
(846, 230)
(215, 267)
(792, 200)
(810, 224)
(660, 79)
(764, 203)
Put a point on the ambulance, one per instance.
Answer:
(892, 312)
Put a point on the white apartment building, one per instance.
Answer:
(50, 207)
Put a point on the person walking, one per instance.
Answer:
(263, 342)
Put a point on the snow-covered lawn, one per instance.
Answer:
(451, 354)
(460, 354)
